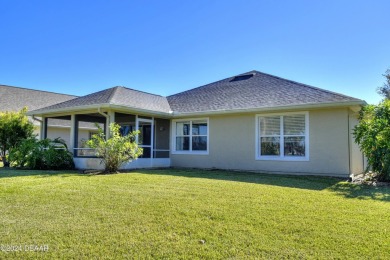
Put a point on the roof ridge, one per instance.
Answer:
(52, 92)
(306, 85)
(113, 92)
(210, 83)
(136, 90)
(259, 72)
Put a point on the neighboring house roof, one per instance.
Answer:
(118, 96)
(15, 98)
(252, 90)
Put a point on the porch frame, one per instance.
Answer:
(109, 117)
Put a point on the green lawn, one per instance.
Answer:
(166, 214)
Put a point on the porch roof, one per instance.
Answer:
(116, 97)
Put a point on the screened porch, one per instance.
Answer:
(154, 136)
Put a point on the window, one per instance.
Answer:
(190, 136)
(282, 137)
(126, 129)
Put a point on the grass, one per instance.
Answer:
(166, 214)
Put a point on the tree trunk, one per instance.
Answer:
(5, 163)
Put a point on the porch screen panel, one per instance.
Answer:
(161, 138)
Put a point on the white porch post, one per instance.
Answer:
(111, 116)
(42, 130)
(109, 119)
(136, 128)
(72, 132)
(152, 147)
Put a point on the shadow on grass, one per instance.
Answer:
(11, 173)
(337, 185)
(290, 181)
(356, 191)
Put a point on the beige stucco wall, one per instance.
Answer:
(356, 156)
(232, 146)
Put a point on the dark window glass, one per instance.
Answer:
(199, 128)
(294, 146)
(199, 143)
(270, 146)
(182, 143)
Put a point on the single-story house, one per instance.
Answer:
(253, 121)
(16, 98)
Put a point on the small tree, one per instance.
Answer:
(115, 150)
(373, 135)
(14, 128)
(373, 132)
(385, 89)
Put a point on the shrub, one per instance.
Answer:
(14, 128)
(373, 135)
(116, 150)
(44, 154)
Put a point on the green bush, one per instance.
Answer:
(373, 135)
(44, 154)
(116, 150)
(14, 128)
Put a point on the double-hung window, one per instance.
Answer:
(190, 136)
(283, 137)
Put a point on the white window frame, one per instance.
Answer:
(282, 157)
(190, 151)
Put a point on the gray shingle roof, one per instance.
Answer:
(120, 96)
(15, 98)
(251, 90)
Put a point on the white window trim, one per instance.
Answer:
(173, 136)
(282, 157)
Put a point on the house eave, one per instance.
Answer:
(89, 108)
(354, 104)
(83, 109)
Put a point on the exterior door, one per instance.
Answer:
(145, 137)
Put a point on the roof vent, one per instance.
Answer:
(242, 77)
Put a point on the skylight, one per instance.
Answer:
(242, 77)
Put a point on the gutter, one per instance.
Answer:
(94, 107)
(172, 114)
(269, 109)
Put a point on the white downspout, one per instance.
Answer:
(37, 119)
(40, 126)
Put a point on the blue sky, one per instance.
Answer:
(165, 47)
